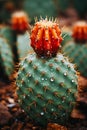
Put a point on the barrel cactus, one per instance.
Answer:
(77, 48)
(46, 80)
(6, 59)
(19, 21)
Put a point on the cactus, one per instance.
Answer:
(80, 31)
(77, 48)
(46, 81)
(18, 43)
(9, 34)
(19, 24)
(42, 45)
(23, 45)
(37, 8)
(67, 36)
(6, 59)
(19, 21)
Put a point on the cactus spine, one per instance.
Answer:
(77, 48)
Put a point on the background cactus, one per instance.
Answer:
(47, 84)
(6, 59)
(19, 43)
(9, 34)
(23, 45)
(39, 8)
(77, 49)
(19, 21)
(67, 35)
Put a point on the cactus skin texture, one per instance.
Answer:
(23, 45)
(66, 38)
(46, 38)
(19, 21)
(78, 54)
(47, 87)
(7, 33)
(6, 59)
(77, 49)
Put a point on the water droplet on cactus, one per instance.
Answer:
(46, 79)
(51, 79)
(29, 74)
(42, 79)
(42, 113)
(73, 81)
(65, 74)
(52, 109)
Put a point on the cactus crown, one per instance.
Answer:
(46, 38)
(80, 31)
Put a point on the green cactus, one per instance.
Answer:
(9, 34)
(23, 45)
(37, 8)
(6, 59)
(66, 38)
(20, 44)
(47, 81)
(47, 88)
(77, 53)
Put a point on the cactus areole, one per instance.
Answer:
(47, 83)
(46, 38)
(80, 32)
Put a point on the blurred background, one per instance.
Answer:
(66, 10)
